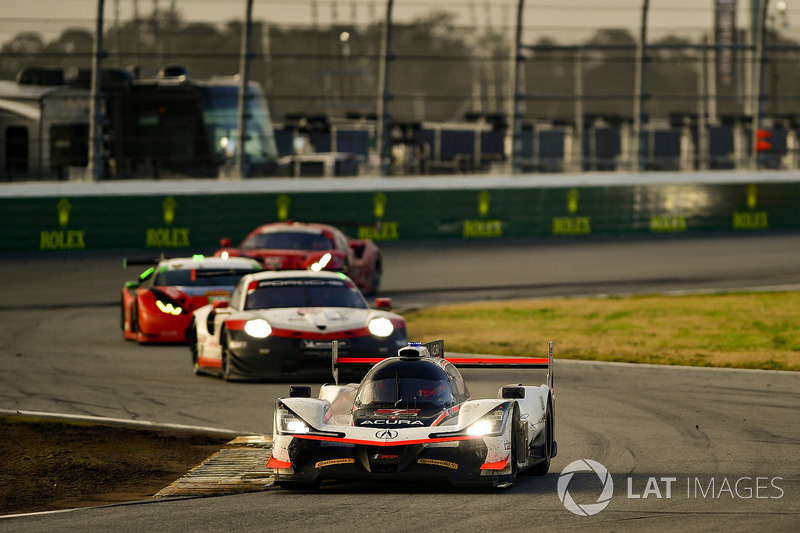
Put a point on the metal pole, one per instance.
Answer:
(758, 85)
(96, 97)
(382, 132)
(702, 114)
(639, 114)
(244, 79)
(514, 139)
(579, 124)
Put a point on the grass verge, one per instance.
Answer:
(741, 330)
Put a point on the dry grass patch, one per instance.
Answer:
(744, 330)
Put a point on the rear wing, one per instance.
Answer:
(195, 273)
(436, 349)
(509, 362)
(128, 261)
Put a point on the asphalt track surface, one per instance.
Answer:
(687, 448)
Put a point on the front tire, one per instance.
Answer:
(506, 481)
(193, 348)
(227, 371)
(135, 326)
(542, 468)
(298, 485)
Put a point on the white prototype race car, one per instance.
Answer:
(412, 418)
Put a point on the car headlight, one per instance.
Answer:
(322, 263)
(259, 328)
(381, 327)
(168, 308)
(289, 423)
(488, 424)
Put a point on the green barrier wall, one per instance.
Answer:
(162, 222)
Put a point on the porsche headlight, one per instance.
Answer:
(381, 327)
(258, 328)
(488, 424)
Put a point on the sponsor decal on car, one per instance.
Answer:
(396, 412)
(438, 462)
(332, 462)
(392, 422)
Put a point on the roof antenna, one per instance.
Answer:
(334, 361)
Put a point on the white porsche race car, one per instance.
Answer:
(412, 418)
(280, 324)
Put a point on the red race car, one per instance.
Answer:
(158, 307)
(303, 246)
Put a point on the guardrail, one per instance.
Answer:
(196, 214)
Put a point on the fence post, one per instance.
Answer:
(382, 132)
(639, 114)
(96, 170)
(244, 79)
(759, 61)
(514, 140)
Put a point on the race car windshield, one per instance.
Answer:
(289, 240)
(405, 385)
(305, 293)
(202, 277)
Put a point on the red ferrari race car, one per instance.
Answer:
(157, 307)
(304, 246)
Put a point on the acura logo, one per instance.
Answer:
(386, 434)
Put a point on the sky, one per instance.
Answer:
(566, 21)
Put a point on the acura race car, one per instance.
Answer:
(281, 324)
(299, 246)
(412, 418)
(158, 306)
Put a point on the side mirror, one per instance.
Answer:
(226, 243)
(383, 303)
(131, 284)
(357, 247)
(300, 391)
(512, 391)
(219, 304)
